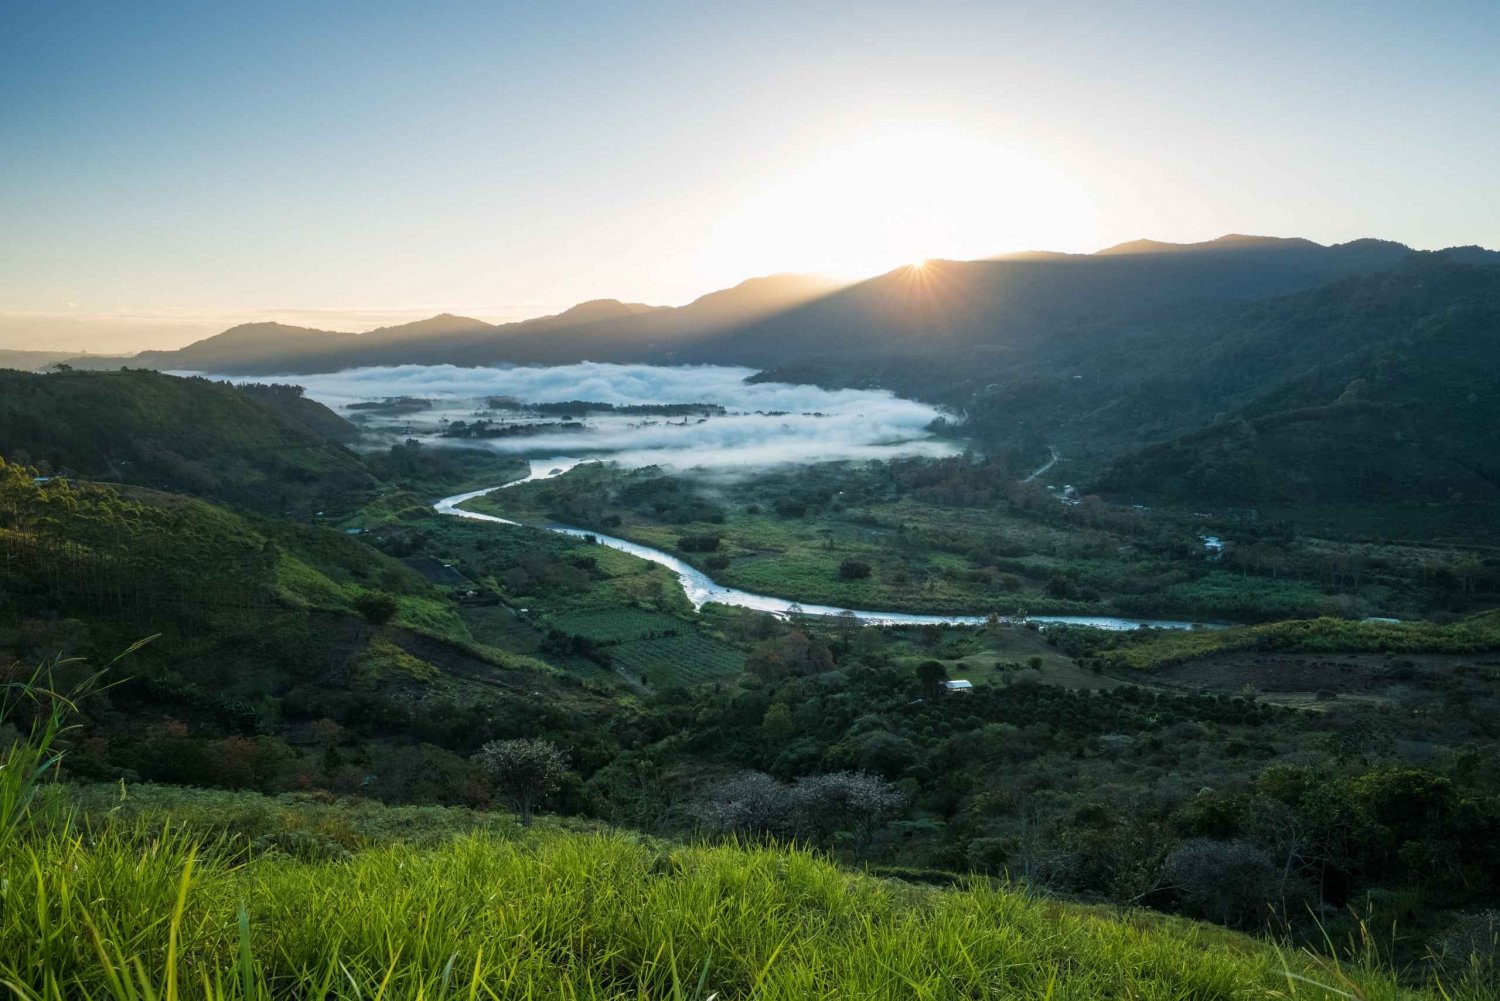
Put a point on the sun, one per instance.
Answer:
(901, 198)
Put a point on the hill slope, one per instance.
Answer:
(598, 916)
(598, 330)
(953, 315)
(265, 634)
(267, 449)
(1370, 391)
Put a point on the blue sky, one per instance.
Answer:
(167, 169)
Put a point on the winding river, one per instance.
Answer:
(701, 589)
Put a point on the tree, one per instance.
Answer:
(794, 655)
(1230, 882)
(750, 802)
(524, 771)
(376, 607)
(837, 801)
(815, 807)
(930, 675)
(853, 570)
(777, 722)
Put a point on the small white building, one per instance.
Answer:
(959, 686)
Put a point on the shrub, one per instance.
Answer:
(1230, 882)
(526, 772)
(376, 607)
(853, 570)
(814, 807)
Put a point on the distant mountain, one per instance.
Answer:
(264, 345)
(32, 361)
(1245, 370)
(434, 326)
(947, 324)
(968, 317)
(599, 330)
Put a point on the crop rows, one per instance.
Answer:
(678, 660)
(616, 625)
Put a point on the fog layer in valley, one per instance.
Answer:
(766, 423)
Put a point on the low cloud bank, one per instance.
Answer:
(856, 423)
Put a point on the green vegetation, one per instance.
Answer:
(678, 660)
(288, 656)
(158, 893)
(1305, 778)
(419, 474)
(964, 536)
(1149, 649)
(1403, 412)
(265, 449)
(617, 625)
(135, 910)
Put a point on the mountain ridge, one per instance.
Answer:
(269, 348)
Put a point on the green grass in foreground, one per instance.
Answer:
(133, 910)
(181, 894)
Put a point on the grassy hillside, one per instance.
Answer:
(265, 449)
(152, 908)
(1163, 648)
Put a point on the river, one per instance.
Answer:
(702, 590)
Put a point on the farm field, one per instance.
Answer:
(607, 625)
(858, 537)
(687, 659)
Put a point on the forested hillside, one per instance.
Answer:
(267, 449)
(1374, 391)
(989, 313)
(274, 642)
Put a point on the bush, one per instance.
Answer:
(1229, 882)
(376, 607)
(853, 570)
(698, 543)
(526, 772)
(815, 807)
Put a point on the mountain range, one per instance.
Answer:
(984, 309)
(601, 329)
(1195, 353)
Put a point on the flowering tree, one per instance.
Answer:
(525, 772)
(814, 807)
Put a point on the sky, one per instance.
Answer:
(168, 170)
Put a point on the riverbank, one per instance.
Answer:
(702, 589)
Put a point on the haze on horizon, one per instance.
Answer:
(172, 169)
